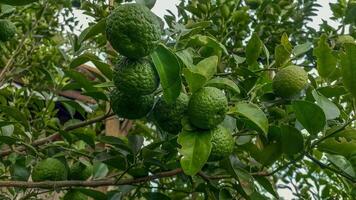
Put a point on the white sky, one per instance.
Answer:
(162, 6)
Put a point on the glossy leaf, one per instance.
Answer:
(292, 140)
(330, 109)
(245, 179)
(100, 170)
(253, 113)
(208, 41)
(81, 80)
(342, 163)
(348, 68)
(168, 69)
(267, 185)
(326, 60)
(97, 195)
(103, 67)
(339, 147)
(16, 114)
(149, 3)
(92, 31)
(253, 50)
(302, 48)
(224, 83)
(201, 73)
(310, 115)
(195, 150)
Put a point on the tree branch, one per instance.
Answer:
(339, 172)
(333, 133)
(56, 135)
(98, 183)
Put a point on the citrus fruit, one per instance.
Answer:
(207, 107)
(133, 30)
(169, 116)
(136, 77)
(290, 81)
(49, 169)
(131, 106)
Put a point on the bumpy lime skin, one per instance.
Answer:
(74, 195)
(79, 171)
(135, 77)
(207, 108)
(7, 30)
(133, 30)
(290, 81)
(49, 169)
(131, 107)
(222, 143)
(169, 116)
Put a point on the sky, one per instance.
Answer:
(162, 6)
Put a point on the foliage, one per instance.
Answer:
(305, 143)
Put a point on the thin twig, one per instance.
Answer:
(331, 134)
(98, 183)
(339, 172)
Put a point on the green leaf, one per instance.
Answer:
(245, 179)
(195, 150)
(97, 195)
(155, 196)
(19, 173)
(253, 113)
(285, 42)
(17, 3)
(350, 16)
(330, 109)
(168, 69)
(283, 52)
(202, 40)
(340, 147)
(302, 48)
(348, 68)
(81, 80)
(194, 80)
(267, 185)
(326, 61)
(224, 83)
(100, 170)
(342, 163)
(149, 3)
(253, 50)
(16, 114)
(92, 31)
(310, 115)
(292, 140)
(103, 67)
(186, 56)
(201, 73)
(8, 140)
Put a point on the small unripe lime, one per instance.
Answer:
(290, 81)
(207, 108)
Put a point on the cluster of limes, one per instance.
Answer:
(134, 31)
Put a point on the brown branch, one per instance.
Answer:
(56, 135)
(208, 178)
(98, 183)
